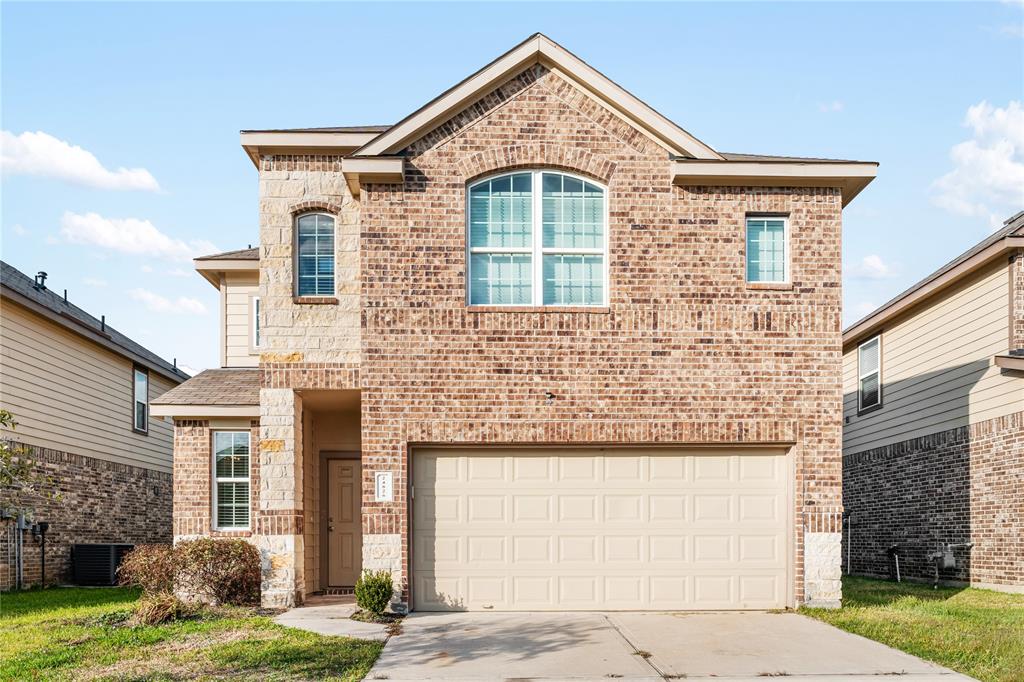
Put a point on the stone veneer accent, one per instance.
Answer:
(685, 352)
(961, 485)
(101, 502)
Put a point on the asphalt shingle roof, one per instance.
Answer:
(18, 282)
(216, 387)
(251, 253)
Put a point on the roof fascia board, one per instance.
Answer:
(212, 268)
(536, 49)
(1014, 362)
(851, 178)
(386, 169)
(175, 411)
(258, 144)
(86, 333)
(870, 324)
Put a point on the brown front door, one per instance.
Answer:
(344, 529)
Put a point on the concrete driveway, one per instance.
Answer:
(636, 646)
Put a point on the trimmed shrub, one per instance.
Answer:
(374, 590)
(151, 567)
(219, 571)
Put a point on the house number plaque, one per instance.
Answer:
(384, 486)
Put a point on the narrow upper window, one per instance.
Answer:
(255, 321)
(315, 255)
(140, 400)
(231, 479)
(511, 262)
(767, 250)
(869, 363)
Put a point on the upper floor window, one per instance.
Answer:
(140, 400)
(537, 238)
(231, 479)
(869, 374)
(255, 322)
(767, 249)
(314, 237)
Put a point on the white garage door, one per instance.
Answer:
(600, 529)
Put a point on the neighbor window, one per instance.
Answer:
(767, 250)
(255, 321)
(869, 363)
(231, 479)
(315, 254)
(140, 394)
(537, 238)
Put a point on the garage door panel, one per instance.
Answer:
(590, 530)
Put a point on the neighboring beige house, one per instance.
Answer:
(80, 392)
(534, 347)
(933, 437)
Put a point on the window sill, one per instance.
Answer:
(315, 300)
(869, 410)
(596, 310)
(231, 532)
(770, 286)
(141, 432)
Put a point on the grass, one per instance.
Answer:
(977, 632)
(74, 633)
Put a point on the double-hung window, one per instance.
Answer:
(767, 250)
(869, 374)
(231, 480)
(140, 400)
(537, 238)
(315, 254)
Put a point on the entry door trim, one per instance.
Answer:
(324, 511)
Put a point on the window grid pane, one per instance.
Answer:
(501, 212)
(573, 213)
(231, 472)
(501, 279)
(766, 250)
(315, 255)
(573, 280)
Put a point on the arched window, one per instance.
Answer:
(537, 238)
(314, 254)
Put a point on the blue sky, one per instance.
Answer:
(931, 91)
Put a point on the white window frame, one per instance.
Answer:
(228, 479)
(136, 372)
(786, 265)
(296, 256)
(537, 250)
(861, 375)
(254, 323)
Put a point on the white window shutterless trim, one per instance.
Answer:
(537, 250)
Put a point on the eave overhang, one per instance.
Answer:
(1011, 362)
(192, 411)
(258, 143)
(874, 323)
(849, 177)
(378, 169)
(213, 268)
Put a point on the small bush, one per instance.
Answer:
(151, 567)
(219, 571)
(155, 609)
(374, 590)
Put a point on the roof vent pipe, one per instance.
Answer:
(103, 323)
(40, 281)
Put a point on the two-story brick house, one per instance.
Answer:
(532, 347)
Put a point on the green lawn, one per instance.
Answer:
(80, 633)
(976, 632)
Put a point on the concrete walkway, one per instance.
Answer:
(637, 646)
(330, 616)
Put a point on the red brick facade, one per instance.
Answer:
(193, 480)
(685, 352)
(100, 502)
(962, 485)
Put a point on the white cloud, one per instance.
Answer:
(863, 308)
(158, 304)
(44, 155)
(873, 267)
(830, 107)
(19, 230)
(146, 268)
(179, 272)
(94, 282)
(129, 235)
(987, 179)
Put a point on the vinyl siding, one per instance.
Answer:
(72, 395)
(937, 367)
(236, 301)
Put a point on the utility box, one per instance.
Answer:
(96, 565)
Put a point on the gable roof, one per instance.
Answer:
(538, 48)
(1006, 238)
(21, 289)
